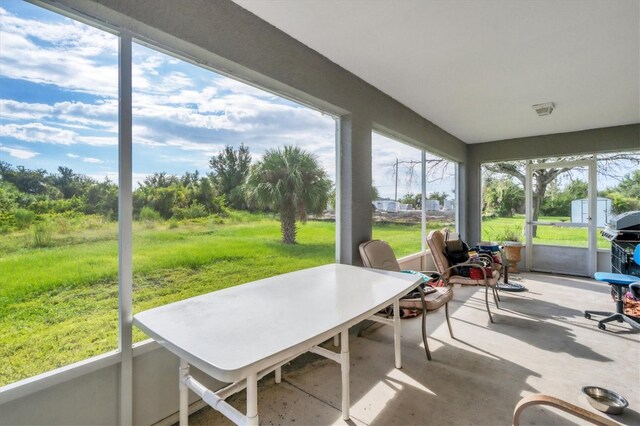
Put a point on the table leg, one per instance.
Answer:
(278, 374)
(184, 393)
(397, 332)
(336, 340)
(252, 400)
(344, 364)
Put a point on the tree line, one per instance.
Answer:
(505, 197)
(288, 181)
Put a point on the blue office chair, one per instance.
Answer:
(618, 282)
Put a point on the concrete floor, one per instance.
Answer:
(540, 343)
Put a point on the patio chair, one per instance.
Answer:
(377, 254)
(540, 399)
(619, 283)
(436, 243)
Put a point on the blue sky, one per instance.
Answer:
(58, 106)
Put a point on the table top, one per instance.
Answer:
(240, 330)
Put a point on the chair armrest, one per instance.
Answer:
(467, 263)
(489, 258)
(540, 399)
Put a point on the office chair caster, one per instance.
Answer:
(587, 315)
(602, 326)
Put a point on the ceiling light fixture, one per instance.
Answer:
(544, 109)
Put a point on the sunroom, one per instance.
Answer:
(499, 121)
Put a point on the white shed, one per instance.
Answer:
(390, 206)
(433, 204)
(580, 211)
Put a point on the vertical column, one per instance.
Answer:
(353, 198)
(252, 400)
(528, 208)
(397, 333)
(125, 230)
(593, 217)
(469, 198)
(184, 392)
(344, 365)
(423, 204)
(278, 378)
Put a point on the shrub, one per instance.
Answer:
(508, 234)
(216, 220)
(173, 223)
(41, 235)
(7, 222)
(24, 218)
(148, 214)
(192, 212)
(64, 225)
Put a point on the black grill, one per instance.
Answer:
(623, 231)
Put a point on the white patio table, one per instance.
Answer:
(240, 334)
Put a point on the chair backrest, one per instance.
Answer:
(436, 243)
(377, 254)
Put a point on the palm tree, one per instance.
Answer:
(291, 182)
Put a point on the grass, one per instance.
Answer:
(58, 304)
(405, 239)
(551, 235)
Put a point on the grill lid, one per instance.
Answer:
(625, 221)
(628, 223)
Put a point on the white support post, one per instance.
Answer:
(125, 230)
(338, 207)
(593, 217)
(252, 400)
(344, 366)
(397, 332)
(278, 374)
(423, 204)
(528, 201)
(336, 340)
(184, 392)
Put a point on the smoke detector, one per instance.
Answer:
(544, 109)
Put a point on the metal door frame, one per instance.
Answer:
(592, 197)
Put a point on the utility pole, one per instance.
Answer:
(396, 173)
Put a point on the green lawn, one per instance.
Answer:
(59, 304)
(552, 235)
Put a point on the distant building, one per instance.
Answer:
(390, 206)
(580, 211)
(432, 205)
(449, 205)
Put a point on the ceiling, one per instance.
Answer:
(475, 67)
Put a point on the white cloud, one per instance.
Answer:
(97, 140)
(40, 133)
(71, 57)
(102, 114)
(22, 154)
(73, 156)
(92, 160)
(207, 149)
(178, 109)
(235, 86)
(14, 110)
(36, 132)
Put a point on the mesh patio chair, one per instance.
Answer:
(377, 254)
(436, 243)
